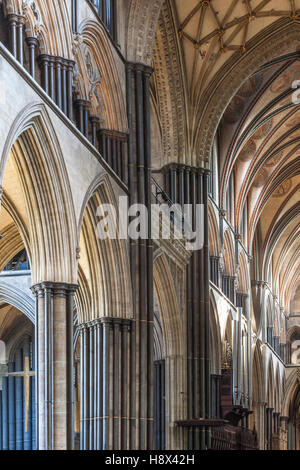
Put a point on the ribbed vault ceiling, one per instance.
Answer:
(260, 143)
(194, 40)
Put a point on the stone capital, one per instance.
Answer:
(54, 288)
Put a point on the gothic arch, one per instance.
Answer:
(228, 333)
(167, 298)
(291, 331)
(292, 385)
(104, 270)
(34, 152)
(17, 337)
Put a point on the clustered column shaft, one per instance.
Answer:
(141, 258)
(104, 384)
(14, 435)
(55, 358)
(189, 185)
(57, 81)
(113, 148)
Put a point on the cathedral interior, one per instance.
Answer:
(124, 344)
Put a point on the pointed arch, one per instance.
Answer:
(33, 148)
(104, 268)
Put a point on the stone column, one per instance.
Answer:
(105, 356)
(188, 185)
(259, 416)
(32, 44)
(44, 64)
(58, 81)
(114, 153)
(70, 71)
(79, 107)
(64, 86)
(51, 79)
(13, 21)
(82, 116)
(55, 356)
(20, 39)
(269, 427)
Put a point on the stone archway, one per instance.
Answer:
(172, 329)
